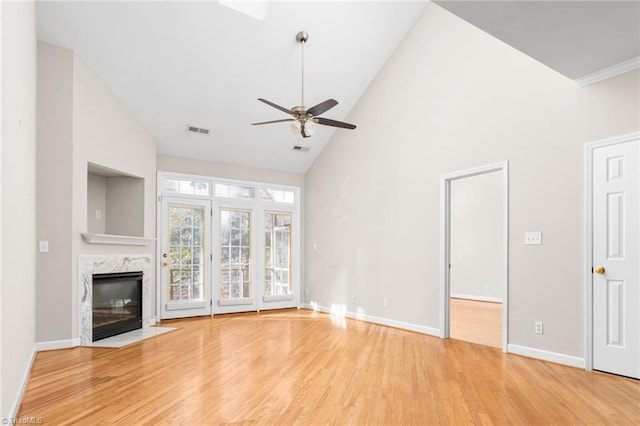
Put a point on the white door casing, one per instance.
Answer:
(615, 289)
(445, 244)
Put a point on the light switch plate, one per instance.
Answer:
(43, 246)
(533, 238)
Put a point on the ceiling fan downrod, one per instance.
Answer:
(302, 38)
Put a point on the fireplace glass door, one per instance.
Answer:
(185, 255)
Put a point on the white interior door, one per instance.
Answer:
(616, 259)
(185, 258)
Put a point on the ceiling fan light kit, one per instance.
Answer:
(303, 119)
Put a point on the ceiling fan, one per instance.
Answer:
(303, 117)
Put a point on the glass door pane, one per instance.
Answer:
(277, 242)
(184, 258)
(235, 256)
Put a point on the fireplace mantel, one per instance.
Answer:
(122, 240)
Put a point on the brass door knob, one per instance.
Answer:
(165, 263)
(599, 270)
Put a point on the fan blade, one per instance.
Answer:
(273, 121)
(283, 109)
(333, 123)
(322, 107)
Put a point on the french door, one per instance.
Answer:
(253, 260)
(226, 246)
(185, 258)
(234, 260)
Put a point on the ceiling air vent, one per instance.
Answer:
(300, 148)
(194, 129)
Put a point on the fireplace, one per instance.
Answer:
(116, 303)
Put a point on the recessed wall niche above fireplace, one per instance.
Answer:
(116, 303)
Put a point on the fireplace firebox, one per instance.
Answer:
(116, 303)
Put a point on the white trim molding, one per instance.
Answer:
(558, 358)
(423, 329)
(588, 238)
(445, 244)
(121, 240)
(612, 71)
(57, 344)
(13, 411)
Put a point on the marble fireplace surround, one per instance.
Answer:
(104, 264)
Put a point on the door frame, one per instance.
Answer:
(589, 149)
(162, 240)
(445, 244)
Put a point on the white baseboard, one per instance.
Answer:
(13, 412)
(57, 344)
(379, 320)
(478, 298)
(570, 360)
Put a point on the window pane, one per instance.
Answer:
(278, 248)
(277, 195)
(185, 253)
(186, 186)
(235, 250)
(234, 191)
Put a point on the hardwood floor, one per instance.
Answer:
(300, 367)
(476, 322)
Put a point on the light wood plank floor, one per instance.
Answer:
(300, 367)
(476, 322)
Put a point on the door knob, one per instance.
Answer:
(165, 263)
(599, 270)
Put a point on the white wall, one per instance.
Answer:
(83, 122)
(96, 201)
(614, 106)
(54, 195)
(18, 202)
(451, 98)
(476, 237)
(167, 163)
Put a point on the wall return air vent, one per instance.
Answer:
(200, 130)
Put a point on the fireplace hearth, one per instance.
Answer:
(116, 303)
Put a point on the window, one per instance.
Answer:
(277, 195)
(277, 272)
(235, 191)
(186, 187)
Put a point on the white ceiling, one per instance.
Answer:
(204, 64)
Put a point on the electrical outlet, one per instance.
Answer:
(533, 238)
(385, 302)
(539, 329)
(353, 300)
(98, 215)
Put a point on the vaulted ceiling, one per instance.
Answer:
(205, 64)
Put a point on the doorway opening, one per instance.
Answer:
(474, 253)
